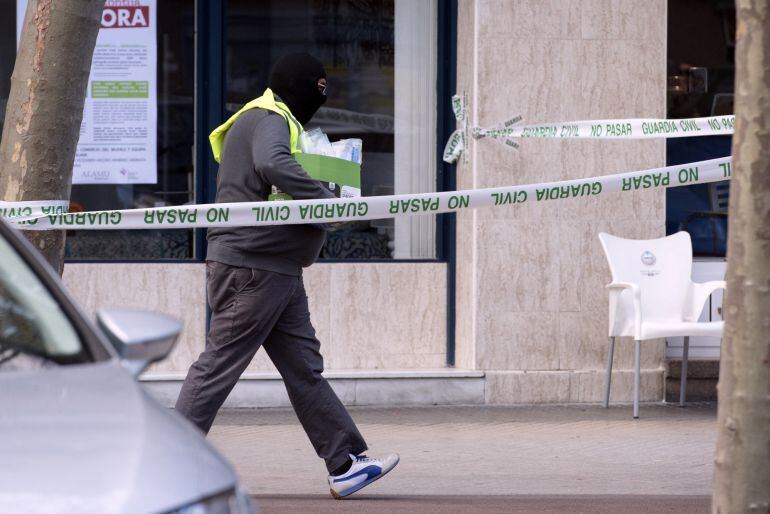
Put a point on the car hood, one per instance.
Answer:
(88, 438)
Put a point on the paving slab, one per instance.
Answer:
(558, 504)
(540, 452)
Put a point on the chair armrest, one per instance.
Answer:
(615, 289)
(699, 293)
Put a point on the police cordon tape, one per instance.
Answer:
(640, 128)
(376, 207)
(32, 209)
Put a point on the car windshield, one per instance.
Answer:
(34, 332)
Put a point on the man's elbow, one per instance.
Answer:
(270, 170)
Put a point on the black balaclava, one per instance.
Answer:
(295, 79)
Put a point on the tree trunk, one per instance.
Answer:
(742, 465)
(45, 108)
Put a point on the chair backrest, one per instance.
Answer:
(661, 267)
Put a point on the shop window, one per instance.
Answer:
(701, 70)
(380, 58)
(174, 181)
(136, 144)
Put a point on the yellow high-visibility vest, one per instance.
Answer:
(267, 102)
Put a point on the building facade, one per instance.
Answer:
(500, 305)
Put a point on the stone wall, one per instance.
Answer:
(367, 316)
(532, 308)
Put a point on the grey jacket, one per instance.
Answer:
(255, 157)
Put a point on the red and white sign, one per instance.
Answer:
(118, 17)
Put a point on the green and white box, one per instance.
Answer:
(341, 177)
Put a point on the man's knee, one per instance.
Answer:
(310, 374)
(305, 370)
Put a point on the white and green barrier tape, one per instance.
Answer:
(32, 209)
(509, 131)
(367, 208)
(457, 141)
(640, 128)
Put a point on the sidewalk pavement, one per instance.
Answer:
(489, 455)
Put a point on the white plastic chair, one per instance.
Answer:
(652, 295)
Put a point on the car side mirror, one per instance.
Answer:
(140, 337)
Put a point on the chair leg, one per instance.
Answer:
(637, 376)
(683, 382)
(608, 379)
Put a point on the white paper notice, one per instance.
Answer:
(118, 136)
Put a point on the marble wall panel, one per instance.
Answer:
(575, 239)
(387, 315)
(517, 340)
(593, 157)
(178, 290)
(647, 205)
(520, 387)
(465, 30)
(558, 61)
(527, 76)
(623, 19)
(623, 206)
(583, 344)
(261, 362)
(465, 81)
(465, 170)
(419, 391)
(531, 19)
(534, 162)
(621, 79)
(588, 386)
(653, 352)
(513, 387)
(366, 315)
(517, 266)
(582, 340)
(465, 293)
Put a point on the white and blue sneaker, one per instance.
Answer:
(363, 471)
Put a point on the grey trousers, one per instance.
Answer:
(252, 308)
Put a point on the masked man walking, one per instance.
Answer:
(254, 277)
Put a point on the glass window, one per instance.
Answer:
(33, 329)
(379, 56)
(175, 182)
(701, 71)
